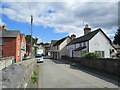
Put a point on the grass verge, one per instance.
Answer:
(34, 76)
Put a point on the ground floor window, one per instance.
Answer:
(102, 53)
(83, 52)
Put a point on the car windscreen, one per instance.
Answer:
(38, 56)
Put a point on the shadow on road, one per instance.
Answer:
(98, 74)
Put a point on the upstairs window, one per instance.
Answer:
(102, 53)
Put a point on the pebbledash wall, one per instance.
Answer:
(110, 66)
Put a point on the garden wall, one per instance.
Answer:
(111, 66)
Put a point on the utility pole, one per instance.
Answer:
(31, 32)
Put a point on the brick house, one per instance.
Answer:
(23, 45)
(28, 49)
(10, 44)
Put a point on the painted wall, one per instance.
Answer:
(63, 48)
(71, 48)
(23, 44)
(100, 43)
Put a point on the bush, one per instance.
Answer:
(91, 55)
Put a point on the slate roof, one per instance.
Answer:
(87, 37)
(80, 48)
(60, 41)
(9, 33)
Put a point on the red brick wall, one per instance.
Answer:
(12, 48)
(9, 47)
(18, 48)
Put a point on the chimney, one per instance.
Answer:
(4, 28)
(73, 36)
(87, 29)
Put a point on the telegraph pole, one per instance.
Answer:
(31, 32)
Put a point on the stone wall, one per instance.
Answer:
(18, 75)
(110, 66)
(5, 62)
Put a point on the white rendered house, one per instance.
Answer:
(59, 48)
(95, 41)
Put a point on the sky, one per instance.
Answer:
(53, 20)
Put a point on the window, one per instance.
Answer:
(83, 52)
(84, 44)
(1, 52)
(1, 41)
(80, 44)
(102, 53)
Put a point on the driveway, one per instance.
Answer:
(59, 74)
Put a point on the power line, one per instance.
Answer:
(29, 8)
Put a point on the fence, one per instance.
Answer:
(5, 62)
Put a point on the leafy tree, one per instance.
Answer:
(28, 39)
(117, 37)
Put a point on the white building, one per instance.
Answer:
(59, 48)
(95, 41)
(40, 50)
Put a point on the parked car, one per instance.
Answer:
(39, 58)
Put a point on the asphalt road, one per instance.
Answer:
(58, 74)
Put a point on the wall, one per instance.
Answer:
(18, 48)
(63, 47)
(23, 44)
(18, 75)
(72, 47)
(5, 62)
(110, 66)
(100, 43)
(9, 47)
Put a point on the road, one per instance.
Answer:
(58, 74)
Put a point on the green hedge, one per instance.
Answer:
(91, 55)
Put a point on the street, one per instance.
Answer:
(58, 74)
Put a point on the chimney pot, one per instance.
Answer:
(4, 28)
(73, 36)
(87, 29)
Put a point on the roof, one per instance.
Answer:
(9, 33)
(60, 41)
(80, 48)
(87, 37)
(21, 35)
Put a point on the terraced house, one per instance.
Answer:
(10, 44)
(92, 41)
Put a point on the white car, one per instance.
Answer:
(39, 58)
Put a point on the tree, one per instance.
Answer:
(28, 39)
(117, 37)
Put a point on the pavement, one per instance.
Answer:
(60, 74)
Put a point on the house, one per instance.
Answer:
(28, 49)
(59, 47)
(51, 48)
(47, 49)
(23, 45)
(92, 41)
(10, 44)
(40, 50)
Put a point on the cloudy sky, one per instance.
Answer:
(54, 20)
